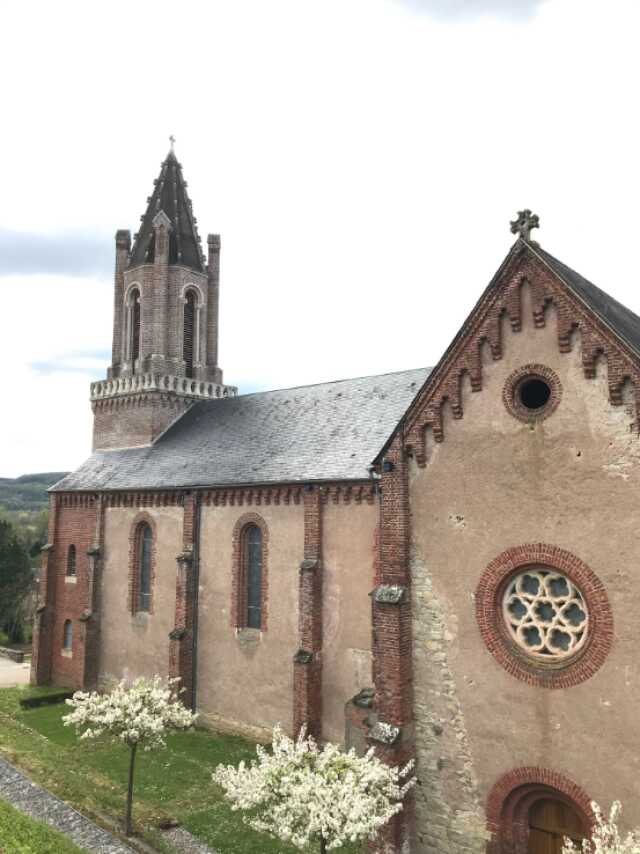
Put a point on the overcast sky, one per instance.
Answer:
(360, 158)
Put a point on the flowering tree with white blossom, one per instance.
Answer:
(301, 793)
(606, 838)
(138, 715)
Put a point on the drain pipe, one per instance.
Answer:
(195, 571)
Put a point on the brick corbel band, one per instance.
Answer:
(181, 636)
(307, 661)
(392, 735)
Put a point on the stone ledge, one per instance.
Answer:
(14, 654)
(389, 594)
(160, 383)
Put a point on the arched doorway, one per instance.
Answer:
(531, 810)
(550, 821)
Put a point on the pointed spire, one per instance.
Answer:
(169, 196)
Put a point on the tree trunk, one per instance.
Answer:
(323, 845)
(128, 827)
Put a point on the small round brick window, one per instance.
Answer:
(532, 392)
(544, 615)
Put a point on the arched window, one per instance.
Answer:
(133, 325)
(189, 333)
(71, 560)
(252, 559)
(67, 637)
(144, 544)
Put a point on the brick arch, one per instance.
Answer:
(488, 603)
(512, 797)
(238, 587)
(134, 569)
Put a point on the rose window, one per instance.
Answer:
(545, 614)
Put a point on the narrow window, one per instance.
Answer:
(67, 639)
(189, 332)
(134, 325)
(145, 539)
(253, 575)
(71, 561)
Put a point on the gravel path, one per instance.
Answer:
(21, 793)
(185, 843)
(12, 674)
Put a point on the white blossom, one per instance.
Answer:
(606, 838)
(300, 792)
(139, 714)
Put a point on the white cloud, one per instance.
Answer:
(456, 9)
(50, 325)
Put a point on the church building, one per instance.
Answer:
(436, 562)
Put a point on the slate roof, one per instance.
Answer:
(330, 431)
(617, 317)
(169, 195)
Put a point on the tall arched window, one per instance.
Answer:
(71, 560)
(252, 554)
(133, 325)
(145, 542)
(67, 637)
(189, 333)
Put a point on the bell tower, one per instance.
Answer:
(165, 321)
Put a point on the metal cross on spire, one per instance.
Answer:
(524, 224)
(172, 140)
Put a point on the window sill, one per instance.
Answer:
(248, 637)
(66, 653)
(71, 579)
(140, 618)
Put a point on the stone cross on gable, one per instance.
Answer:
(524, 224)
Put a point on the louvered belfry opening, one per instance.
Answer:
(135, 326)
(189, 332)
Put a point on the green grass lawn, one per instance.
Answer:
(170, 784)
(22, 835)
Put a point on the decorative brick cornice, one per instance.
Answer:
(252, 496)
(512, 796)
(503, 299)
(338, 493)
(240, 496)
(488, 603)
(168, 498)
(77, 499)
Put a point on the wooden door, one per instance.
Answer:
(549, 822)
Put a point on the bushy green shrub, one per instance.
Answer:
(20, 834)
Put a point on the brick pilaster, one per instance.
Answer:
(158, 298)
(307, 662)
(392, 643)
(213, 296)
(41, 643)
(123, 245)
(90, 618)
(181, 638)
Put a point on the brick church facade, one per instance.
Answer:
(437, 562)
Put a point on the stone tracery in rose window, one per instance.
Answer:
(545, 614)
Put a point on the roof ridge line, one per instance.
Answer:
(327, 382)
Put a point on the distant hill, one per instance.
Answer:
(27, 494)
